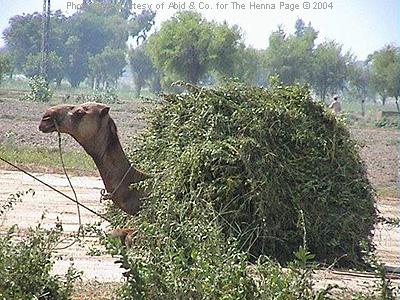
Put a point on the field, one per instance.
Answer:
(22, 143)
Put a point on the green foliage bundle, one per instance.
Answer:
(241, 172)
(40, 90)
(26, 264)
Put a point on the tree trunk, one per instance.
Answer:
(398, 110)
(362, 107)
(138, 89)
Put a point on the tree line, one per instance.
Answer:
(91, 46)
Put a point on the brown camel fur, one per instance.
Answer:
(92, 127)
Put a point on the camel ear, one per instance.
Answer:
(104, 111)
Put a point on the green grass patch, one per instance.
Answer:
(75, 161)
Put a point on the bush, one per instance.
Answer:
(25, 266)
(387, 123)
(180, 253)
(241, 172)
(39, 90)
(106, 96)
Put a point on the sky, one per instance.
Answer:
(362, 26)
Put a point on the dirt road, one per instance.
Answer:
(55, 207)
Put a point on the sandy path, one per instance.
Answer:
(53, 205)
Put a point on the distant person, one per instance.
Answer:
(335, 105)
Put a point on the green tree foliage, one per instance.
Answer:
(88, 34)
(97, 26)
(6, 66)
(76, 61)
(330, 68)
(106, 67)
(291, 56)
(77, 38)
(124, 6)
(224, 48)
(250, 67)
(23, 36)
(188, 47)
(385, 72)
(142, 68)
(141, 24)
(359, 80)
(55, 71)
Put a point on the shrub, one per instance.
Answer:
(26, 263)
(106, 96)
(39, 90)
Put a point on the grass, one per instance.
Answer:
(77, 162)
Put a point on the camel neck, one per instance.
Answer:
(111, 162)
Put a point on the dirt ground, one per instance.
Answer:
(18, 126)
(19, 121)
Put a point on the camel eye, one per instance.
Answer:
(79, 113)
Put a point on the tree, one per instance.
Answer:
(359, 82)
(187, 47)
(124, 6)
(394, 79)
(55, 69)
(385, 72)
(6, 66)
(141, 67)
(77, 38)
(251, 67)
(330, 68)
(291, 56)
(23, 37)
(106, 67)
(300, 27)
(141, 24)
(76, 61)
(224, 48)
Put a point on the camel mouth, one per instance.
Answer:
(47, 125)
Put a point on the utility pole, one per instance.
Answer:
(45, 40)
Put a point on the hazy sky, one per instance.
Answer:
(362, 26)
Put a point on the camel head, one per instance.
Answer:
(92, 127)
(81, 121)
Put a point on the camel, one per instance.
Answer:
(92, 127)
